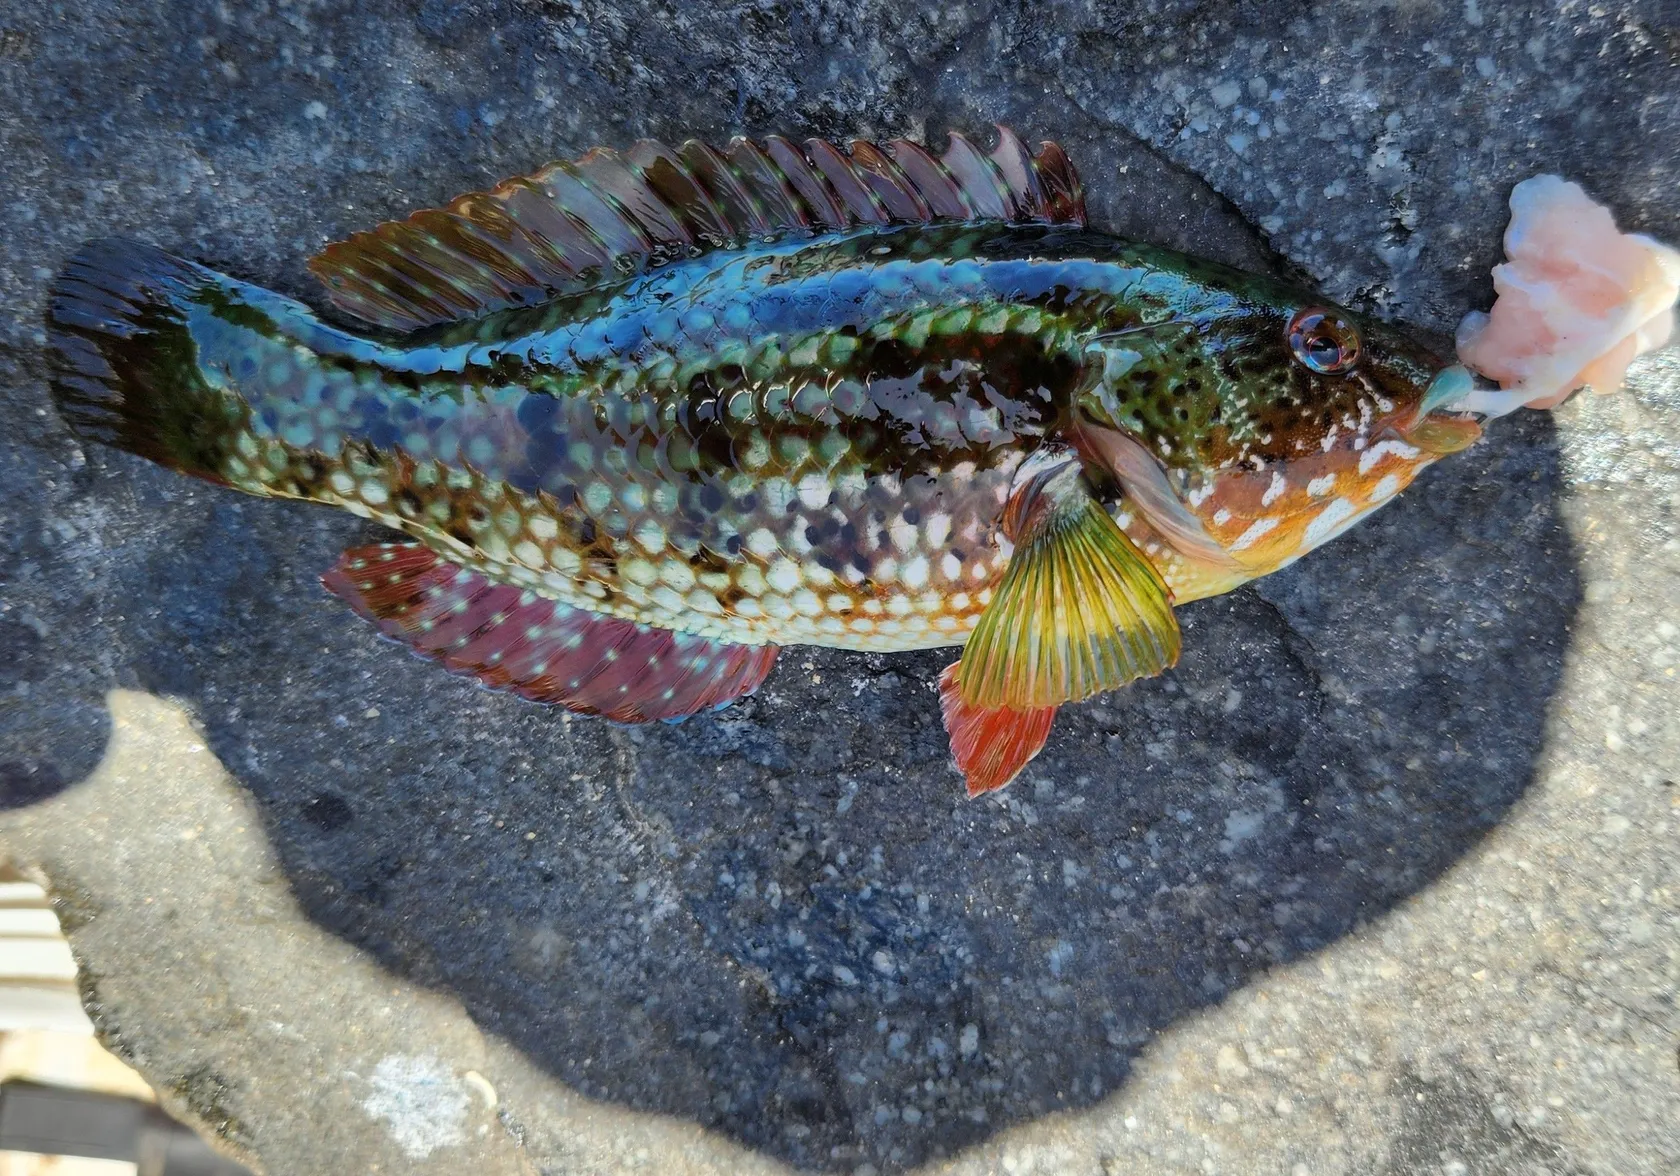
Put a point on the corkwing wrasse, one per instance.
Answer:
(643, 418)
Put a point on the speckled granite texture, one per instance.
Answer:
(1382, 879)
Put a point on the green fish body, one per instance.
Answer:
(643, 419)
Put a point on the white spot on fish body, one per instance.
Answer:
(783, 575)
(851, 483)
(597, 497)
(1377, 452)
(1256, 530)
(1319, 487)
(915, 572)
(950, 567)
(1327, 523)
(762, 542)
(1222, 516)
(700, 600)
(1276, 489)
(677, 574)
(650, 535)
(1385, 488)
(777, 494)
(903, 535)
(817, 576)
(936, 530)
(813, 491)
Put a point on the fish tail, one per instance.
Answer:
(124, 364)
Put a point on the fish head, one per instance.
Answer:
(1272, 420)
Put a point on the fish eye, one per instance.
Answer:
(1323, 341)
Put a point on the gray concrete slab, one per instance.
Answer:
(1380, 879)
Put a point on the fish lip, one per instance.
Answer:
(1439, 426)
(1452, 385)
(1458, 393)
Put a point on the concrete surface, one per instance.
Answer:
(1381, 879)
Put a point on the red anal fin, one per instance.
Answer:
(540, 649)
(990, 745)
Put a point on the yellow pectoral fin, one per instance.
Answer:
(1080, 609)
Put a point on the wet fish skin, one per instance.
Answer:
(854, 407)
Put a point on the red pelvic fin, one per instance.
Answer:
(511, 639)
(990, 745)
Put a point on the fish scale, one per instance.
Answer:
(642, 414)
(767, 497)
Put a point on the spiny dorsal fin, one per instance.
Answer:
(609, 214)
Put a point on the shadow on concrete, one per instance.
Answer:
(785, 922)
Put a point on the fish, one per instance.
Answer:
(643, 417)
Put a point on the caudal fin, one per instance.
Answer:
(124, 365)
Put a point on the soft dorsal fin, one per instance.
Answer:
(609, 214)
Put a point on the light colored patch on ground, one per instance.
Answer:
(421, 1102)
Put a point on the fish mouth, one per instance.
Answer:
(1449, 418)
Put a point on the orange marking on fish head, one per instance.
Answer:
(1269, 517)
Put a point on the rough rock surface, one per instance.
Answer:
(1380, 879)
